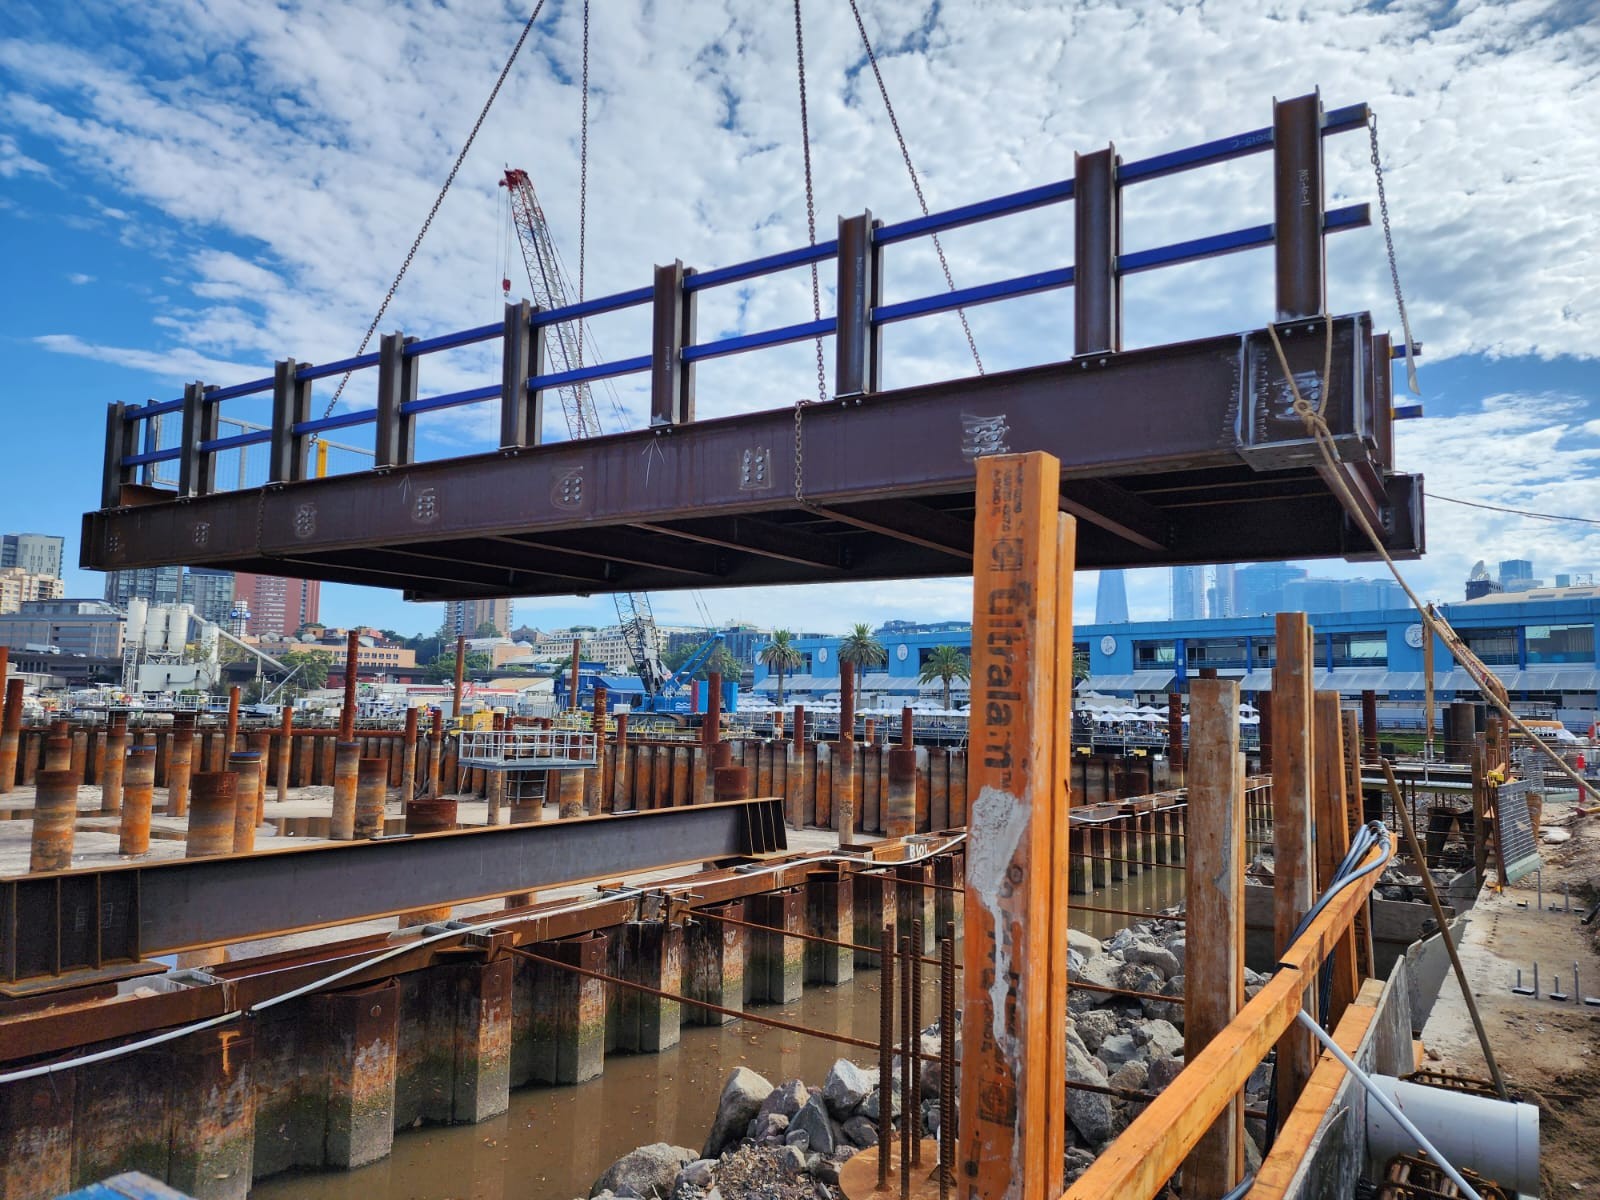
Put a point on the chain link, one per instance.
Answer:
(1394, 269)
(916, 183)
(816, 282)
(388, 297)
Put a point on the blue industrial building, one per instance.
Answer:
(1541, 643)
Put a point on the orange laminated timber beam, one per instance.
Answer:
(1012, 1129)
(1153, 1147)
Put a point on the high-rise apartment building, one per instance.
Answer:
(463, 618)
(18, 586)
(278, 607)
(35, 553)
(211, 593)
(158, 585)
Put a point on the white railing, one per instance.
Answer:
(529, 748)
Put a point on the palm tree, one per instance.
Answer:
(861, 648)
(780, 657)
(944, 664)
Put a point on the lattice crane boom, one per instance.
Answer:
(547, 282)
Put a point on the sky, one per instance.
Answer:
(193, 189)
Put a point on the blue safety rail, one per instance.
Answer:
(1256, 141)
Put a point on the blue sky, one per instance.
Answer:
(193, 188)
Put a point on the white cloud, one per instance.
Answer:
(290, 153)
(78, 278)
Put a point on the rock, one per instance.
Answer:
(1555, 836)
(785, 1099)
(1160, 1039)
(773, 1125)
(1077, 1161)
(1162, 1072)
(1131, 1076)
(869, 1106)
(1085, 945)
(823, 1169)
(1260, 1080)
(1089, 1112)
(1159, 957)
(798, 1137)
(1094, 1027)
(813, 1121)
(741, 1100)
(1101, 969)
(847, 1086)
(650, 1171)
(1121, 940)
(793, 1160)
(1117, 1050)
(1178, 945)
(698, 1174)
(1137, 977)
(861, 1132)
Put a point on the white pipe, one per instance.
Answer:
(1388, 1105)
(1497, 1139)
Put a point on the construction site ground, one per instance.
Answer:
(1549, 1051)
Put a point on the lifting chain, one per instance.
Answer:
(438, 200)
(1394, 270)
(816, 283)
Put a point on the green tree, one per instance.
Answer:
(861, 648)
(780, 657)
(1080, 665)
(486, 629)
(945, 663)
(313, 668)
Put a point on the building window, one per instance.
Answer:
(1263, 650)
(1216, 652)
(1154, 654)
(1496, 647)
(1560, 643)
(1369, 649)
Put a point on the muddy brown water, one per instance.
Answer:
(554, 1142)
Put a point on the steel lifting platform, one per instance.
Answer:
(528, 749)
(1182, 453)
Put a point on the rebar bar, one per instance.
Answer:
(914, 1033)
(947, 1060)
(906, 1052)
(886, 1002)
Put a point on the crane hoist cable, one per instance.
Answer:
(416, 244)
(911, 170)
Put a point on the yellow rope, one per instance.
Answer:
(1488, 683)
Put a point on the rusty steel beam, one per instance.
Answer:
(56, 923)
(1211, 416)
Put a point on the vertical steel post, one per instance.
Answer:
(285, 753)
(1214, 983)
(211, 815)
(1097, 237)
(397, 387)
(346, 778)
(55, 810)
(1293, 769)
(408, 765)
(111, 767)
(246, 769)
(11, 733)
(577, 654)
(372, 794)
(1301, 255)
(1369, 726)
(352, 664)
(947, 1060)
(913, 1063)
(516, 366)
(461, 669)
(291, 405)
(138, 792)
(671, 378)
(180, 764)
(121, 442)
(910, 1109)
(197, 468)
(858, 340)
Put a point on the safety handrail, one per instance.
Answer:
(123, 454)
